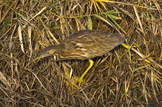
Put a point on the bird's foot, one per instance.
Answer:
(128, 50)
(78, 81)
(74, 82)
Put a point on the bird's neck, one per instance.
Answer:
(59, 48)
(58, 51)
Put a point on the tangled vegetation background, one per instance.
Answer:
(126, 77)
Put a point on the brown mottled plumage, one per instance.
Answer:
(83, 45)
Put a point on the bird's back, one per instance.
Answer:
(87, 44)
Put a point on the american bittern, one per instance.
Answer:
(83, 45)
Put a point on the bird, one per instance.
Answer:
(83, 45)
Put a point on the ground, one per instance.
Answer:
(129, 76)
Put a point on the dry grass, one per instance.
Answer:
(26, 27)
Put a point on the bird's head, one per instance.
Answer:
(48, 51)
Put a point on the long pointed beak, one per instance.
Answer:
(40, 56)
(46, 52)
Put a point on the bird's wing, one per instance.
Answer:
(91, 43)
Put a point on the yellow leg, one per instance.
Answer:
(128, 50)
(80, 80)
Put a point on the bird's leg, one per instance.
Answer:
(80, 80)
(71, 70)
(128, 50)
(68, 75)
